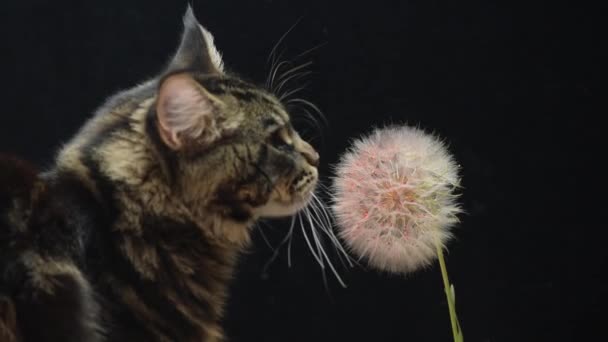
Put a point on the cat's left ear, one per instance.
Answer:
(196, 51)
(186, 113)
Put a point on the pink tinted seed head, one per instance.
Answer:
(394, 198)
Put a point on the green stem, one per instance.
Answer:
(456, 332)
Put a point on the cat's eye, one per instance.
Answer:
(278, 139)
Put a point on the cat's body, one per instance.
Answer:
(133, 235)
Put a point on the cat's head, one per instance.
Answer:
(232, 142)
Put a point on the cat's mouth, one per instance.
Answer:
(304, 183)
(280, 209)
(301, 192)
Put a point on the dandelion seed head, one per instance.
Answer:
(394, 198)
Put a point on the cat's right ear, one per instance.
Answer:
(196, 51)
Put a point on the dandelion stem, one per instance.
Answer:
(449, 293)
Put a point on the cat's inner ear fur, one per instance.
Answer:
(186, 112)
(196, 51)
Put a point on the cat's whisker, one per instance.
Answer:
(316, 220)
(273, 59)
(263, 235)
(320, 206)
(291, 92)
(294, 69)
(309, 118)
(273, 55)
(311, 50)
(319, 248)
(328, 229)
(316, 239)
(311, 106)
(273, 71)
(312, 251)
(276, 46)
(301, 66)
(324, 222)
(324, 187)
(295, 76)
(274, 74)
(324, 254)
(293, 223)
(276, 252)
(329, 234)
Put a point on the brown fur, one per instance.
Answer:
(151, 203)
(8, 321)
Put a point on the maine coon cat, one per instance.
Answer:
(134, 232)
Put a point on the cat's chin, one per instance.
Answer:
(281, 209)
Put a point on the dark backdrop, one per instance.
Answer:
(510, 87)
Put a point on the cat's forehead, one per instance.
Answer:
(247, 94)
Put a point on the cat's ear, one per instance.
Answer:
(196, 50)
(186, 112)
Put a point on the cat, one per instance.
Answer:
(134, 232)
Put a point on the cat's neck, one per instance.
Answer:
(145, 193)
(127, 172)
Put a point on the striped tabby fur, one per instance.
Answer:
(133, 234)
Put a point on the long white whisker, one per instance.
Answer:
(339, 248)
(319, 247)
(324, 187)
(265, 238)
(273, 59)
(274, 74)
(294, 69)
(291, 92)
(273, 70)
(310, 118)
(293, 223)
(315, 238)
(319, 219)
(312, 251)
(316, 218)
(321, 207)
(310, 105)
(274, 48)
(322, 221)
(290, 78)
(278, 249)
(328, 231)
(331, 266)
(311, 49)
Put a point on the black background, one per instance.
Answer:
(510, 86)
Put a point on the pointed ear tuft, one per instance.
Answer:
(186, 112)
(196, 50)
(214, 54)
